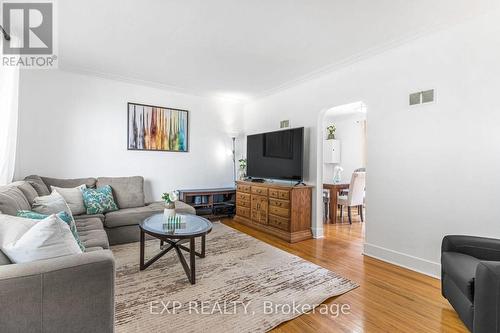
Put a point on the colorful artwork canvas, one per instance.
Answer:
(157, 128)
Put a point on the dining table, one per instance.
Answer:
(335, 190)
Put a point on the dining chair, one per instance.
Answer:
(355, 197)
(326, 202)
(345, 191)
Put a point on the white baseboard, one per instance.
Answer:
(317, 232)
(404, 260)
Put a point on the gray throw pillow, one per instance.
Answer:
(28, 190)
(50, 204)
(12, 200)
(73, 197)
(127, 191)
(38, 185)
(68, 182)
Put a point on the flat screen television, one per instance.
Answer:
(276, 155)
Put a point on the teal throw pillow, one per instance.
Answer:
(62, 215)
(99, 200)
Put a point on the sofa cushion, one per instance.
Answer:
(128, 191)
(183, 208)
(63, 215)
(49, 238)
(73, 197)
(88, 224)
(92, 233)
(95, 238)
(85, 216)
(50, 204)
(71, 182)
(461, 269)
(134, 216)
(12, 200)
(11, 229)
(28, 190)
(99, 200)
(38, 185)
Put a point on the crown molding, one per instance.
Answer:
(150, 84)
(129, 80)
(316, 74)
(360, 56)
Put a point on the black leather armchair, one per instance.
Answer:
(470, 280)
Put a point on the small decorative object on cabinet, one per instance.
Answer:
(280, 210)
(331, 132)
(331, 151)
(243, 169)
(211, 203)
(337, 174)
(170, 199)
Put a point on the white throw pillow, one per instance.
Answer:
(13, 227)
(48, 238)
(73, 197)
(50, 204)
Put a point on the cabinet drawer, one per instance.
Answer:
(279, 203)
(273, 193)
(259, 190)
(243, 203)
(243, 211)
(285, 195)
(279, 222)
(279, 194)
(243, 188)
(285, 212)
(242, 196)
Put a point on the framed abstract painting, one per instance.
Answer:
(157, 128)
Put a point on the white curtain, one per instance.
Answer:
(9, 89)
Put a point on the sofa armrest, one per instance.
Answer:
(66, 294)
(478, 247)
(487, 297)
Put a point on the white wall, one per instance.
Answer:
(75, 125)
(432, 170)
(351, 134)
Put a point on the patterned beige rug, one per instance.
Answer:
(243, 285)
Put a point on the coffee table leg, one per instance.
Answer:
(202, 246)
(141, 260)
(192, 260)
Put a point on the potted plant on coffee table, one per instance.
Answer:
(170, 198)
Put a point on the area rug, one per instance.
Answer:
(243, 285)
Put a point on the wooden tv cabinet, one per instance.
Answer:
(280, 210)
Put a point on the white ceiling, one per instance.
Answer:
(238, 47)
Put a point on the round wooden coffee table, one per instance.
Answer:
(174, 233)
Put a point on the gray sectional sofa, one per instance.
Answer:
(72, 293)
(121, 226)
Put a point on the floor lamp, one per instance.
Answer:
(234, 159)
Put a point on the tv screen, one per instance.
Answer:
(276, 155)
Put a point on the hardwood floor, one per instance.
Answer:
(389, 299)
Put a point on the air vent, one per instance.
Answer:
(422, 97)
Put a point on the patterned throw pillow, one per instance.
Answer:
(62, 215)
(99, 200)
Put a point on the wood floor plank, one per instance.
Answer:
(390, 298)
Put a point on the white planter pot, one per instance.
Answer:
(169, 211)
